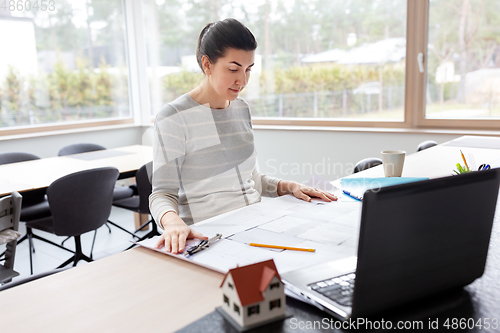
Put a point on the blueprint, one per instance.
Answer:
(331, 228)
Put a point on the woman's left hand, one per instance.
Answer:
(304, 192)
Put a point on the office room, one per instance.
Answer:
(310, 113)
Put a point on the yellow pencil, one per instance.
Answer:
(464, 160)
(282, 247)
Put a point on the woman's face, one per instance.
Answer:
(230, 74)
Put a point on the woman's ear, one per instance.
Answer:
(207, 65)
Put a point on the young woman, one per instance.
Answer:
(205, 162)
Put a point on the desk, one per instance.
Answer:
(30, 175)
(107, 296)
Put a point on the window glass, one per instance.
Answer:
(316, 58)
(463, 69)
(253, 310)
(275, 304)
(62, 61)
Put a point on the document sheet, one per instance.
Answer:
(331, 228)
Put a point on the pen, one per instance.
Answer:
(282, 247)
(483, 167)
(349, 194)
(463, 157)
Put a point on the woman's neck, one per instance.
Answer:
(205, 94)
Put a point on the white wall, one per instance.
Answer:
(48, 146)
(287, 154)
(296, 155)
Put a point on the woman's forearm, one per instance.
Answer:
(286, 187)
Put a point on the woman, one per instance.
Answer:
(204, 155)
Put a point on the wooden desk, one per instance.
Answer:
(144, 291)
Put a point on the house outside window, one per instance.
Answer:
(253, 310)
(230, 285)
(226, 300)
(275, 304)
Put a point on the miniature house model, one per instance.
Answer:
(253, 294)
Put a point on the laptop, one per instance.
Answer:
(415, 240)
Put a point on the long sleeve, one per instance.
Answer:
(205, 161)
(266, 185)
(168, 156)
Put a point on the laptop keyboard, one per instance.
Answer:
(338, 289)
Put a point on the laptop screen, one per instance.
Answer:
(422, 238)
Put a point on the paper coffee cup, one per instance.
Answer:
(393, 161)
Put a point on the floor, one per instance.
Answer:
(48, 257)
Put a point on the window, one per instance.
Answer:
(274, 285)
(315, 59)
(63, 64)
(463, 70)
(226, 300)
(344, 62)
(275, 304)
(230, 285)
(335, 63)
(253, 310)
(236, 308)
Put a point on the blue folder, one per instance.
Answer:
(357, 186)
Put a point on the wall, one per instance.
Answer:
(296, 155)
(288, 154)
(49, 145)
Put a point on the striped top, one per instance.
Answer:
(204, 161)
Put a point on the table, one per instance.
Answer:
(36, 174)
(144, 291)
(30, 175)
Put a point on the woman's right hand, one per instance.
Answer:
(175, 233)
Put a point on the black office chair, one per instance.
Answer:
(367, 163)
(140, 203)
(426, 144)
(119, 192)
(80, 202)
(34, 204)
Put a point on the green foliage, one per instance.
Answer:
(12, 92)
(174, 85)
(461, 169)
(63, 94)
(332, 77)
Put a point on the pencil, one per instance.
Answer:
(463, 157)
(282, 247)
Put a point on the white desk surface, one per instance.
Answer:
(41, 173)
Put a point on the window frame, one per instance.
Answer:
(138, 92)
(415, 85)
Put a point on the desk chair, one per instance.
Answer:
(119, 192)
(140, 202)
(10, 211)
(367, 163)
(80, 202)
(34, 205)
(426, 144)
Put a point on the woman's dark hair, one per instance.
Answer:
(219, 36)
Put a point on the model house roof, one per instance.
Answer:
(252, 280)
